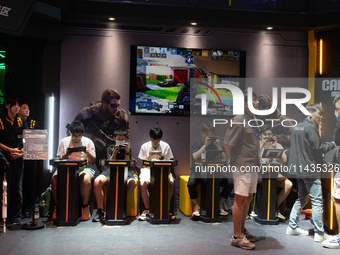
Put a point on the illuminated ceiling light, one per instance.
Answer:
(112, 18)
(320, 56)
(193, 23)
(269, 28)
(2, 56)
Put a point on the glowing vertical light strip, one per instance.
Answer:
(320, 56)
(51, 128)
(320, 124)
(332, 206)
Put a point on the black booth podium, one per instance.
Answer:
(266, 197)
(210, 190)
(159, 190)
(116, 189)
(68, 206)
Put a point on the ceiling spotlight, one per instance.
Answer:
(269, 28)
(112, 19)
(193, 23)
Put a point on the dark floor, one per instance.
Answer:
(183, 236)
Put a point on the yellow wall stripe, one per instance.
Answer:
(311, 64)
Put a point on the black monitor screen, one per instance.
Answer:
(170, 81)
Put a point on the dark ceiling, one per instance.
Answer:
(51, 16)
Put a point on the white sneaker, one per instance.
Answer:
(319, 238)
(296, 232)
(279, 215)
(332, 242)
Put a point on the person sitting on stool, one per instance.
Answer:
(154, 149)
(198, 149)
(120, 151)
(86, 172)
(269, 141)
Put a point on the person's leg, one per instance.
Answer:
(299, 204)
(245, 211)
(243, 185)
(286, 186)
(14, 191)
(227, 184)
(144, 178)
(85, 187)
(145, 194)
(54, 187)
(131, 184)
(99, 182)
(238, 214)
(172, 187)
(54, 193)
(293, 227)
(336, 202)
(315, 194)
(193, 182)
(85, 192)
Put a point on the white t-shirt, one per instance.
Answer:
(68, 143)
(163, 146)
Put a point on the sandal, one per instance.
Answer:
(223, 212)
(196, 212)
(142, 217)
(172, 217)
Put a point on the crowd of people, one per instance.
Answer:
(103, 129)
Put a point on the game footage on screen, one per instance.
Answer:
(172, 80)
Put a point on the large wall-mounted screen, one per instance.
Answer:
(170, 81)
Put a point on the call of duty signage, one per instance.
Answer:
(15, 14)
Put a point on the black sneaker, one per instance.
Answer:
(100, 216)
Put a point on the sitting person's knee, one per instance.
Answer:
(132, 182)
(144, 184)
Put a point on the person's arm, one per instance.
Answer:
(114, 153)
(337, 131)
(62, 151)
(316, 145)
(66, 155)
(218, 146)
(127, 152)
(90, 156)
(283, 158)
(197, 155)
(228, 149)
(10, 150)
(143, 154)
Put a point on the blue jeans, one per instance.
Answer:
(311, 187)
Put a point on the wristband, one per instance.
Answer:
(203, 148)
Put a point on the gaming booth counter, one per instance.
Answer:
(68, 213)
